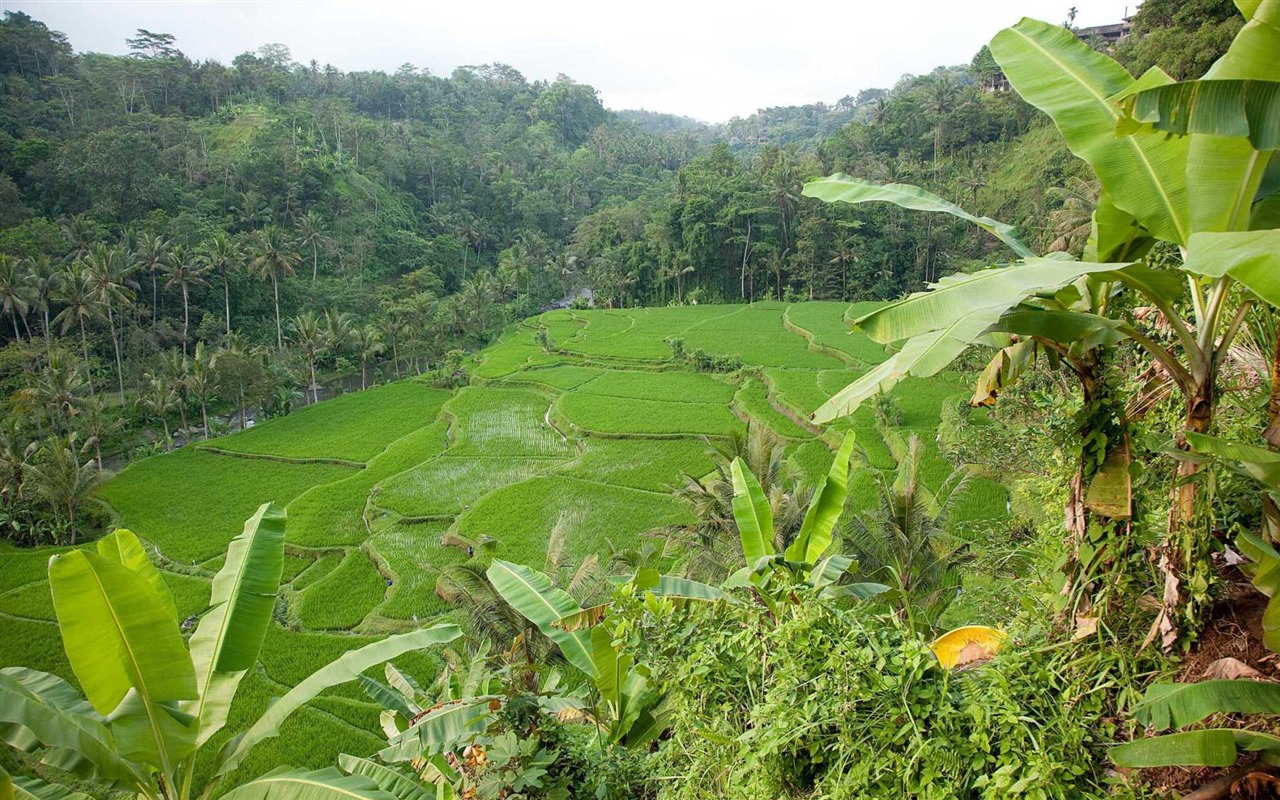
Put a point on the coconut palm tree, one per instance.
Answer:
(221, 256)
(308, 334)
(274, 259)
(78, 293)
(17, 290)
(111, 273)
(339, 329)
(311, 233)
(175, 369)
(200, 382)
(55, 391)
(151, 253)
(44, 281)
(902, 541)
(98, 425)
(710, 546)
(367, 341)
(157, 401)
(1072, 223)
(61, 479)
(184, 271)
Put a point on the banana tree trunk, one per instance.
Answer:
(1180, 550)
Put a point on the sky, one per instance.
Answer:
(706, 59)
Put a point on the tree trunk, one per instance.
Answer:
(115, 342)
(204, 417)
(226, 294)
(363, 379)
(84, 346)
(275, 288)
(242, 412)
(1178, 553)
(17, 337)
(315, 261)
(311, 357)
(186, 318)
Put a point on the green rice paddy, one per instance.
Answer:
(587, 435)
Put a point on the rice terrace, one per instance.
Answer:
(431, 427)
(582, 440)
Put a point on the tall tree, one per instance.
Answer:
(274, 259)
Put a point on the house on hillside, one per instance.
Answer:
(1108, 35)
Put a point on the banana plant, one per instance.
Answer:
(150, 703)
(1169, 706)
(805, 560)
(1202, 192)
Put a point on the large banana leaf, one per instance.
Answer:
(1248, 109)
(1251, 257)
(957, 296)
(1143, 174)
(159, 734)
(444, 728)
(1177, 705)
(844, 189)
(542, 603)
(118, 632)
(123, 547)
(20, 788)
(824, 509)
(285, 783)
(43, 706)
(752, 512)
(921, 356)
(226, 643)
(391, 781)
(1264, 572)
(1115, 235)
(1215, 747)
(342, 670)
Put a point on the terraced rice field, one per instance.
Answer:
(587, 435)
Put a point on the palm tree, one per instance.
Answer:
(184, 271)
(394, 327)
(175, 371)
(710, 546)
(339, 329)
(478, 291)
(1072, 223)
(221, 256)
(367, 341)
(151, 254)
(274, 259)
(56, 391)
(157, 401)
(17, 290)
(78, 293)
(201, 382)
(564, 264)
(111, 275)
(902, 541)
(44, 282)
(940, 95)
(251, 211)
(311, 233)
(80, 233)
(309, 335)
(63, 481)
(97, 425)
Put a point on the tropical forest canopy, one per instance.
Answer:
(370, 435)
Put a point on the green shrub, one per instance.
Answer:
(849, 703)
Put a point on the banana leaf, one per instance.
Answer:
(344, 669)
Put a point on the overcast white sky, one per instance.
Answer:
(707, 59)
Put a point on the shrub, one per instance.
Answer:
(850, 703)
